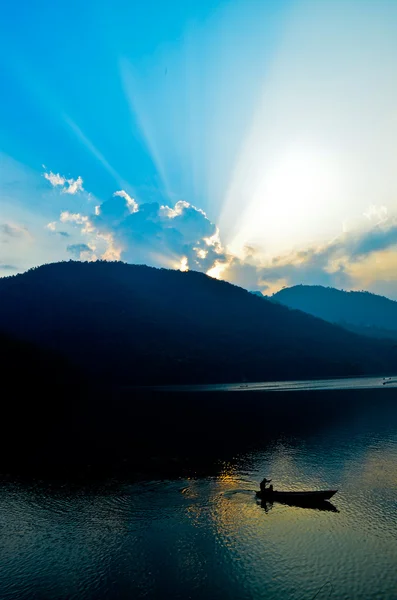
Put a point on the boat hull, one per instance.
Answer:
(295, 497)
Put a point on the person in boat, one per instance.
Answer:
(263, 487)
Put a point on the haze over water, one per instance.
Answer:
(208, 537)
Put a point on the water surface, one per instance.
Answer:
(209, 537)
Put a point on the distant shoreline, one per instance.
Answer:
(307, 385)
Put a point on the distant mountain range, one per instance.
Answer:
(130, 324)
(361, 312)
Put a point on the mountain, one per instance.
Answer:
(24, 363)
(362, 312)
(38, 404)
(132, 324)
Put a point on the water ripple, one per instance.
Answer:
(210, 537)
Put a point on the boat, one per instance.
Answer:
(296, 497)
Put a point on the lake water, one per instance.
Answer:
(207, 537)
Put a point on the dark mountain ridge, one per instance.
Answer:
(132, 324)
(362, 312)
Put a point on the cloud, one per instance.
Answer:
(166, 234)
(4, 267)
(81, 251)
(320, 265)
(381, 237)
(69, 186)
(132, 205)
(13, 231)
(377, 213)
(239, 272)
(77, 219)
(53, 228)
(182, 236)
(75, 185)
(55, 179)
(179, 236)
(343, 262)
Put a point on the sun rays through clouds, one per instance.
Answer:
(239, 140)
(182, 237)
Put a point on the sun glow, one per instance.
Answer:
(217, 270)
(275, 121)
(298, 189)
(184, 264)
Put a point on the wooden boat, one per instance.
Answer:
(296, 497)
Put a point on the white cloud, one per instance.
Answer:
(74, 186)
(217, 270)
(112, 252)
(55, 178)
(69, 186)
(201, 253)
(78, 219)
(376, 213)
(132, 205)
(184, 264)
(178, 237)
(182, 237)
(171, 213)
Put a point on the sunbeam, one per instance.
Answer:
(98, 155)
(314, 155)
(272, 123)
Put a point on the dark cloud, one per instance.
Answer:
(315, 269)
(63, 233)
(77, 250)
(379, 238)
(4, 267)
(242, 273)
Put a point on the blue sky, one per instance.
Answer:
(255, 138)
(64, 68)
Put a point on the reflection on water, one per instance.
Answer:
(319, 505)
(211, 537)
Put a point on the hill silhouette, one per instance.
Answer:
(131, 324)
(22, 362)
(361, 312)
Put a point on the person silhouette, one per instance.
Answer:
(263, 487)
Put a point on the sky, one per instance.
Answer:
(254, 140)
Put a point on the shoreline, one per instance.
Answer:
(288, 385)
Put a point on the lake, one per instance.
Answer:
(208, 537)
